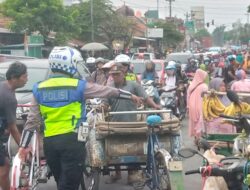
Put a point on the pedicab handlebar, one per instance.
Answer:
(140, 112)
(225, 93)
(241, 121)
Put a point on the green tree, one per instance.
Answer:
(240, 34)
(171, 36)
(108, 25)
(218, 36)
(44, 16)
(201, 33)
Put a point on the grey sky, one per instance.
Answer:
(221, 11)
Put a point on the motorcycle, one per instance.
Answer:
(175, 100)
(150, 89)
(168, 100)
(234, 170)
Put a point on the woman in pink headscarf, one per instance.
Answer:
(194, 103)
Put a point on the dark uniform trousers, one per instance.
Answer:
(65, 156)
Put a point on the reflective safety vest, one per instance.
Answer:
(61, 103)
(131, 77)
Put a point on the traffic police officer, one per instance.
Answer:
(59, 103)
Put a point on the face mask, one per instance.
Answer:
(170, 72)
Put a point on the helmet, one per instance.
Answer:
(240, 59)
(178, 65)
(207, 60)
(90, 60)
(64, 60)
(171, 65)
(231, 57)
(122, 58)
(100, 60)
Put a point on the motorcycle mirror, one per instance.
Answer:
(187, 152)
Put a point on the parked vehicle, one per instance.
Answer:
(143, 56)
(179, 57)
(38, 70)
(7, 57)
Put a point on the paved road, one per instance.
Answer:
(192, 182)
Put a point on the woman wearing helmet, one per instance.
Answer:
(170, 77)
(59, 104)
(125, 61)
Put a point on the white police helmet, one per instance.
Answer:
(122, 58)
(64, 60)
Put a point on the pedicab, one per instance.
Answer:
(151, 145)
(224, 143)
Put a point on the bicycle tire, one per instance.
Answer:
(91, 180)
(162, 172)
(182, 107)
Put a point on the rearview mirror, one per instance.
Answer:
(187, 152)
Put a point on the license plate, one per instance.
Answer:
(83, 132)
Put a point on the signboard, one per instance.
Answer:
(152, 14)
(155, 32)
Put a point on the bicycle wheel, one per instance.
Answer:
(24, 176)
(91, 179)
(162, 172)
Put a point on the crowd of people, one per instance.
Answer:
(222, 72)
(119, 87)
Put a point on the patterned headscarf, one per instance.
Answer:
(240, 74)
(215, 84)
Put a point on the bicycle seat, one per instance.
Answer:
(153, 120)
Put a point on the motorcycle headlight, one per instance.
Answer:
(22, 109)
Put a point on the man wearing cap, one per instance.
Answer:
(119, 81)
(99, 76)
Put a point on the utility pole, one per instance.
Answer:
(158, 8)
(187, 15)
(92, 20)
(170, 7)
(247, 18)
(187, 33)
